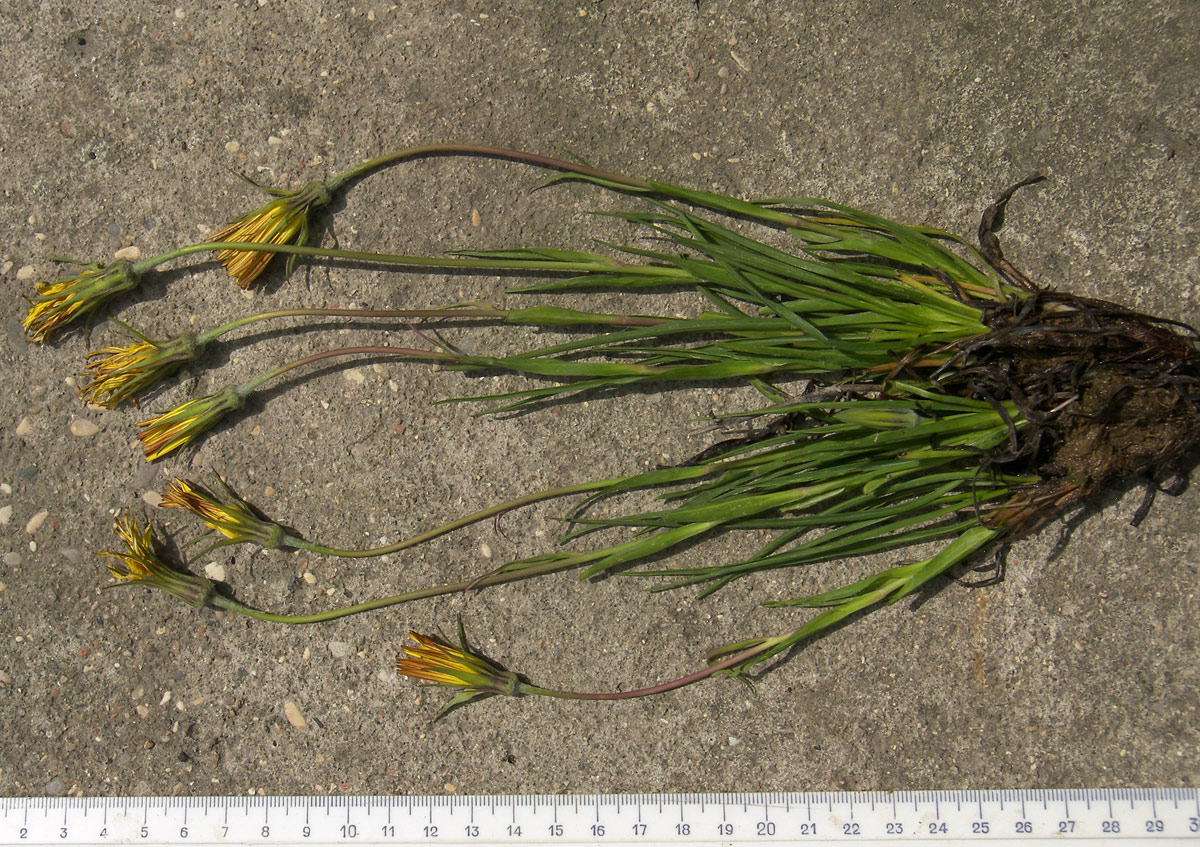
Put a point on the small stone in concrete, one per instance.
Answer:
(340, 649)
(35, 523)
(83, 428)
(294, 716)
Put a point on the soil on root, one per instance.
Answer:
(1108, 395)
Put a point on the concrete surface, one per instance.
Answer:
(125, 123)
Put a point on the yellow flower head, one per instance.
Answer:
(437, 661)
(231, 516)
(121, 373)
(59, 303)
(177, 427)
(282, 221)
(138, 563)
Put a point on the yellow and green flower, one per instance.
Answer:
(230, 516)
(117, 374)
(440, 662)
(138, 563)
(284, 220)
(176, 427)
(60, 303)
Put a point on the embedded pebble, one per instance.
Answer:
(215, 571)
(294, 716)
(5, 678)
(232, 147)
(152, 498)
(476, 218)
(340, 649)
(486, 550)
(274, 140)
(6, 267)
(144, 475)
(309, 578)
(130, 254)
(12, 559)
(56, 787)
(142, 709)
(5, 515)
(354, 375)
(35, 523)
(5, 488)
(25, 426)
(84, 428)
(26, 273)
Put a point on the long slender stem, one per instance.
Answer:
(662, 687)
(467, 520)
(212, 334)
(425, 150)
(643, 186)
(220, 601)
(407, 352)
(759, 649)
(695, 472)
(601, 263)
(534, 315)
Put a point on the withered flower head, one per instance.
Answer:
(138, 563)
(121, 373)
(177, 427)
(59, 303)
(229, 515)
(437, 661)
(284, 220)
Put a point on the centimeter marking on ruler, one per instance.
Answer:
(1162, 816)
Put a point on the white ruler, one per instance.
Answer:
(1128, 816)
